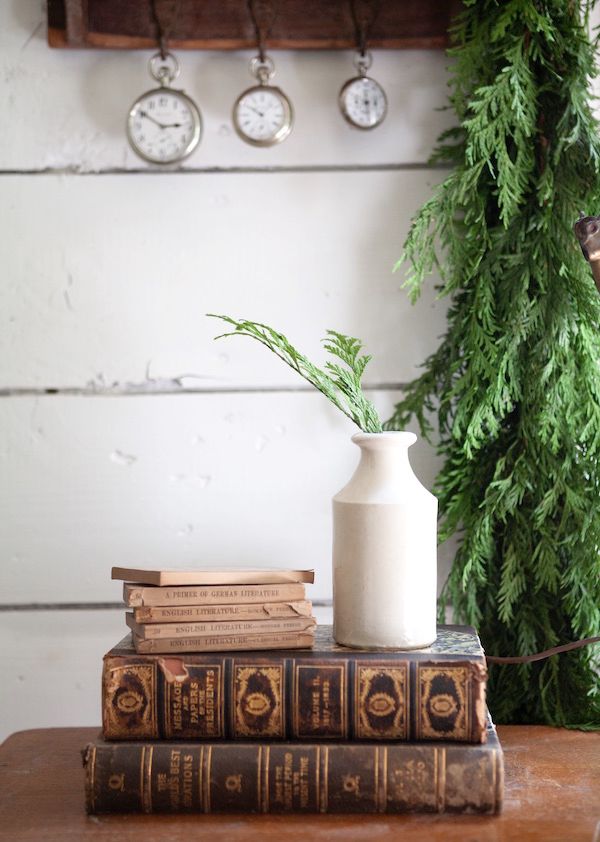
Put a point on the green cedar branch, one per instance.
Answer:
(340, 382)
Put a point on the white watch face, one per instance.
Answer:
(263, 115)
(164, 126)
(363, 102)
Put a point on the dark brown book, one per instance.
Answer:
(148, 595)
(235, 777)
(330, 692)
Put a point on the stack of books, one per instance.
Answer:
(328, 729)
(208, 610)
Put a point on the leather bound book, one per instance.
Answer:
(234, 777)
(329, 692)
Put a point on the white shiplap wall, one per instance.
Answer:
(156, 445)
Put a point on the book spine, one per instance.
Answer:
(219, 627)
(292, 778)
(204, 613)
(226, 642)
(274, 696)
(136, 596)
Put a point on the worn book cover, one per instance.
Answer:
(152, 631)
(140, 595)
(330, 692)
(212, 576)
(227, 642)
(205, 613)
(235, 777)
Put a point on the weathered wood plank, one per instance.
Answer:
(227, 24)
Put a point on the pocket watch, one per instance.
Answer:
(262, 114)
(362, 100)
(164, 125)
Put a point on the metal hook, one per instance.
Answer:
(163, 68)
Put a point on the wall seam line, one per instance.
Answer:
(94, 606)
(145, 390)
(274, 170)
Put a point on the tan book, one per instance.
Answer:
(148, 631)
(226, 643)
(205, 613)
(140, 595)
(212, 576)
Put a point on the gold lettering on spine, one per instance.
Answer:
(320, 700)
(176, 705)
(304, 781)
(174, 779)
(288, 778)
(188, 777)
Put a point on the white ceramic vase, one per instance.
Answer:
(384, 550)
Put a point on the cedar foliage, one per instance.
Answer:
(515, 382)
(339, 379)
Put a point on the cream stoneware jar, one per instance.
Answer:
(384, 550)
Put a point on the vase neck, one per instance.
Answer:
(384, 473)
(385, 455)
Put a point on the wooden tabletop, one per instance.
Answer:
(552, 795)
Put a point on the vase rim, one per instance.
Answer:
(385, 438)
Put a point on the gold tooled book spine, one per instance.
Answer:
(304, 696)
(235, 777)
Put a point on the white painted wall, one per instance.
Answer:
(160, 446)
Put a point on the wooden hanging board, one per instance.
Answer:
(226, 24)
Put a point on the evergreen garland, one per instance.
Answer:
(515, 383)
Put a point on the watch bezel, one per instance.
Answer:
(343, 108)
(281, 133)
(196, 117)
